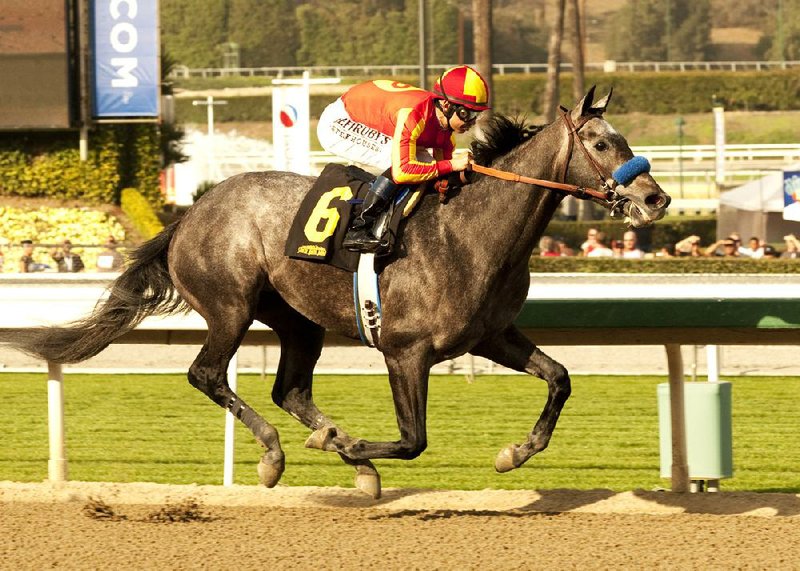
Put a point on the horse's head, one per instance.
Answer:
(599, 157)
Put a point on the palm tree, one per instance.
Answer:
(482, 27)
(551, 94)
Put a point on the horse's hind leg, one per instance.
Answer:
(301, 346)
(512, 349)
(208, 373)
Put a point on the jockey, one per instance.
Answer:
(385, 122)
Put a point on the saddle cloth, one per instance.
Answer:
(321, 222)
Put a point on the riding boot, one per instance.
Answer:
(361, 238)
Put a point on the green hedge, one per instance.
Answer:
(48, 165)
(663, 266)
(521, 94)
(140, 213)
(662, 92)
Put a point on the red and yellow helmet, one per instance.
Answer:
(462, 85)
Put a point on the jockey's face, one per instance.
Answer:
(462, 119)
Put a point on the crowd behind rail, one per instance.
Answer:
(598, 245)
(30, 257)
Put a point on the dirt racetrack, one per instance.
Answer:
(155, 526)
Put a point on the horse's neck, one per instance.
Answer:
(513, 216)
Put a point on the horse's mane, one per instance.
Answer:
(501, 134)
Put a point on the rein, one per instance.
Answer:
(605, 194)
(578, 191)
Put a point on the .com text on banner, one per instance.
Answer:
(125, 50)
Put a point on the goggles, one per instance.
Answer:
(466, 114)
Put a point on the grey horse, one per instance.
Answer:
(455, 286)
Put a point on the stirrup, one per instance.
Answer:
(361, 240)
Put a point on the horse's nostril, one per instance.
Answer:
(657, 200)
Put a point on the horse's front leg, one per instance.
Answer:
(512, 349)
(409, 368)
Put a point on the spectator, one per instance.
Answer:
(729, 248)
(617, 248)
(769, 252)
(590, 242)
(792, 247)
(109, 260)
(689, 246)
(754, 249)
(600, 249)
(67, 261)
(630, 248)
(26, 262)
(738, 239)
(667, 251)
(548, 247)
(564, 249)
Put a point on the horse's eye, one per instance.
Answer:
(601, 146)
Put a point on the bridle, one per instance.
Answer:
(605, 194)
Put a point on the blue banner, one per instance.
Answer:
(126, 67)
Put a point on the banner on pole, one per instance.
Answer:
(290, 128)
(719, 144)
(125, 50)
(791, 193)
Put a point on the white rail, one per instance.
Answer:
(742, 162)
(184, 72)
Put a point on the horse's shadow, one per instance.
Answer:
(558, 501)
(548, 502)
(565, 500)
(353, 498)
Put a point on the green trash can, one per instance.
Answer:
(709, 438)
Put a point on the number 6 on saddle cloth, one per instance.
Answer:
(324, 216)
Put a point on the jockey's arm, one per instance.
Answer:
(406, 166)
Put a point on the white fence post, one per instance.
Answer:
(227, 467)
(57, 464)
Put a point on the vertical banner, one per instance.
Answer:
(719, 140)
(791, 193)
(126, 67)
(290, 128)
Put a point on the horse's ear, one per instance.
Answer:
(584, 105)
(600, 106)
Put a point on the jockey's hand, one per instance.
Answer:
(460, 162)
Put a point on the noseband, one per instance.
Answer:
(606, 194)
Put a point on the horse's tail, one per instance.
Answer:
(144, 288)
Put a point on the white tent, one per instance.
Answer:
(761, 195)
(756, 209)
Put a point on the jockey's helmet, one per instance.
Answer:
(462, 85)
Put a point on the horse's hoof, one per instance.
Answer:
(320, 438)
(505, 459)
(370, 484)
(269, 473)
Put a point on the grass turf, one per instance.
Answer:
(157, 428)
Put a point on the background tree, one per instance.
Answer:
(691, 30)
(516, 38)
(781, 40)
(658, 30)
(351, 32)
(576, 43)
(482, 26)
(192, 30)
(265, 30)
(551, 92)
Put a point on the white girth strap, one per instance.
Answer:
(367, 300)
